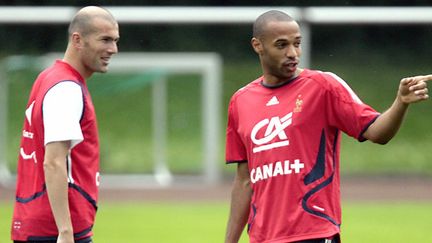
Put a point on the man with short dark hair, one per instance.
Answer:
(284, 135)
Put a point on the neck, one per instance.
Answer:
(271, 80)
(73, 60)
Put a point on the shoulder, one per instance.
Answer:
(68, 91)
(335, 85)
(60, 71)
(245, 90)
(323, 78)
(327, 80)
(65, 87)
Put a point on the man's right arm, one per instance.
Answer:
(240, 204)
(385, 127)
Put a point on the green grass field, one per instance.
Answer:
(198, 222)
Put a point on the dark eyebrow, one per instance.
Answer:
(285, 40)
(109, 37)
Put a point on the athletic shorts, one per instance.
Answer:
(85, 240)
(333, 239)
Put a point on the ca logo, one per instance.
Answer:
(275, 128)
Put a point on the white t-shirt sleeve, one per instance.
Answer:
(62, 111)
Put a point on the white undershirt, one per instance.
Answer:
(62, 111)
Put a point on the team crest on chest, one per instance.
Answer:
(298, 104)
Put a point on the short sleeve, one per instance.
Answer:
(235, 151)
(345, 109)
(62, 112)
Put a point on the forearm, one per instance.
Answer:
(387, 124)
(239, 213)
(57, 189)
(411, 90)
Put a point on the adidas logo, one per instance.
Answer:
(273, 101)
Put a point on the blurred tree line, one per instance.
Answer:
(232, 41)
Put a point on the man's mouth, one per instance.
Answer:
(291, 65)
(106, 60)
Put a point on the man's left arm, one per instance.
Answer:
(411, 90)
(57, 187)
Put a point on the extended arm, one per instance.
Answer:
(411, 90)
(57, 188)
(240, 204)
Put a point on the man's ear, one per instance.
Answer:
(257, 45)
(76, 40)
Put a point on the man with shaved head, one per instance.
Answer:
(284, 135)
(58, 164)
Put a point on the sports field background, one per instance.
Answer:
(375, 209)
(197, 222)
(365, 219)
(123, 106)
(124, 147)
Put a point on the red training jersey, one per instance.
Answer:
(33, 218)
(290, 138)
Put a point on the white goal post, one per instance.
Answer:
(207, 65)
(4, 171)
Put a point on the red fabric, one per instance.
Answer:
(285, 134)
(32, 212)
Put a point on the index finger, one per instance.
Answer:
(416, 79)
(428, 77)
